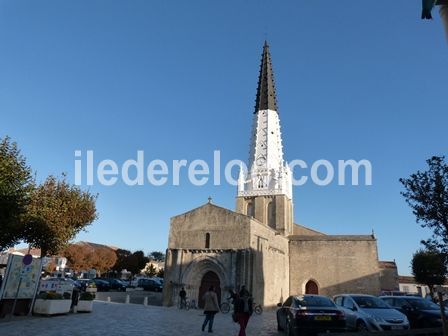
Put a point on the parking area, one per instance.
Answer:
(114, 319)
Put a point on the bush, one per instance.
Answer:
(50, 296)
(86, 296)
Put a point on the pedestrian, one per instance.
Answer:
(211, 307)
(183, 298)
(244, 292)
(242, 311)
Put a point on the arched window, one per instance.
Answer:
(250, 209)
(270, 215)
(207, 240)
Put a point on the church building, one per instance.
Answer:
(258, 244)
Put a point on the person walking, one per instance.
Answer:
(242, 310)
(211, 307)
(183, 298)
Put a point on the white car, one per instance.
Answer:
(369, 313)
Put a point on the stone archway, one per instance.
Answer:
(311, 287)
(208, 280)
(195, 276)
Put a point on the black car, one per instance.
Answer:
(421, 313)
(116, 284)
(150, 285)
(310, 314)
(101, 285)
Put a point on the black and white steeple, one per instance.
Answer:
(268, 174)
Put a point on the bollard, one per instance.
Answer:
(127, 299)
(145, 301)
(108, 299)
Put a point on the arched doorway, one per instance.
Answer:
(311, 287)
(209, 279)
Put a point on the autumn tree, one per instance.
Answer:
(16, 182)
(426, 192)
(105, 259)
(429, 268)
(56, 213)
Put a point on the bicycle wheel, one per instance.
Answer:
(225, 307)
(258, 310)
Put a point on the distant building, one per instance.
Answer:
(388, 276)
(259, 245)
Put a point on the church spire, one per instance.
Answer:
(267, 174)
(266, 98)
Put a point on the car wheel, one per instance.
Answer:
(361, 326)
(279, 328)
(289, 331)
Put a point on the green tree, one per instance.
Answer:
(150, 270)
(427, 194)
(16, 182)
(136, 262)
(157, 256)
(429, 268)
(121, 263)
(56, 213)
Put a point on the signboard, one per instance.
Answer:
(27, 275)
(58, 285)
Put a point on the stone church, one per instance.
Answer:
(258, 244)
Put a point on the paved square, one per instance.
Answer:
(130, 319)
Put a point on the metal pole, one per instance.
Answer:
(30, 312)
(442, 312)
(15, 299)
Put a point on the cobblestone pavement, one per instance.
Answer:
(115, 319)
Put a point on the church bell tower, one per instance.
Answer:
(265, 190)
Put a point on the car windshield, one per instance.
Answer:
(314, 301)
(423, 304)
(370, 302)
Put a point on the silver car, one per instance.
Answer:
(369, 313)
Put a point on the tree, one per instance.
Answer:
(121, 263)
(16, 182)
(157, 256)
(427, 194)
(105, 259)
(136, 262)
(56, 213)
(429, 268)
(161, 273)
(150, 270)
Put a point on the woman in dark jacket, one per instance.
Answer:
(242, 311)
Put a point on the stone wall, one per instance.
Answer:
(227, 229)
(338, 264)
(270, 283)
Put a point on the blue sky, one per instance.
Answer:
(177, 79)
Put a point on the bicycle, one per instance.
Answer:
(225, 306)
(185, 306)
(258, 309)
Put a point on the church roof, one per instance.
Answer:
(266, 97)
(332, 238)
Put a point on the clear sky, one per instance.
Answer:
(177, 79)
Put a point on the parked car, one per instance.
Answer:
(369, 313)
(421, 313)
(85, 283)
(101, 285)
(116, 284)
(310, 314)
(150, 285)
